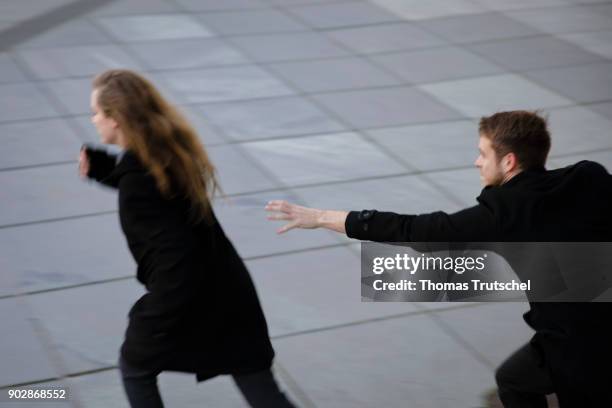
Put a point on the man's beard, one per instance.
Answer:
(498, 180)
(495, 181)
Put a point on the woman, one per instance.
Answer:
(201, 313)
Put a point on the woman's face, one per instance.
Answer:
(107, 127)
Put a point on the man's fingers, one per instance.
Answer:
(278, 205)
(273, 205)
(279, 217)
(287, 227)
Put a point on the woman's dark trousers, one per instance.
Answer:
(260, 389)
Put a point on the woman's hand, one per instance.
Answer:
(83, 164)
(304, 217)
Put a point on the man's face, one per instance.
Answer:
(491, 171)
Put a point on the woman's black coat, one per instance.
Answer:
(201, 313)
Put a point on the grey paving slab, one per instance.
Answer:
(37, 142)
(560, 20)
(484, 96)
(186, 53)
(578, 129)
(288, 3)
(180, 391)
(288, 46)
(57, 254)
(501, 5)
(23, 101)
(251, 22)
(404, 195)
(9, 280)
(420, 10)
(236, 172)
(386, 107)
(48, 404)
(437, 64)
(209, 134)
(333, 74)
(245, 222)
(153, 27)
(554, 163)
(86, 337)
(317, 159)
(104, 389)
(586, 83)
(605, 8)
(273, 117)
(223, 84)
(604, 109)
(71, 33)
(126, 7)
(86, 130)
(385, 38)
(54, 63)
(214, 5)
(24, 357)
(342, 14)
(313, 290)
(23, 10)
(478, 27)
(72, 96)
(9, 71)
(355, 247)
(534, 53)
(49, 192)
(387, 363)
(603, 157)
(464, 184)
(432, 146)
(445, 305)
(599, 42)
(495, 330)
(6, 24)
(590, 3)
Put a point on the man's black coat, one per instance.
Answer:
(201, 313)
(572, 204)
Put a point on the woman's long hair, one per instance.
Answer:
(161, 137)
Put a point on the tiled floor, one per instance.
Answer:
(332, 103)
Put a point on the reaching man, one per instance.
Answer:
(521, 202)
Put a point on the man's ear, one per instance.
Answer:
(510, 162)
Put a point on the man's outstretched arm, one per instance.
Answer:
(472, 224)
(304, 217)
(368, 225)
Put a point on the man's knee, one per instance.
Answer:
(503, 376)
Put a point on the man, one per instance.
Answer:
(521, 202)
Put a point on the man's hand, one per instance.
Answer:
(83, 164)
(304, 217)
(298, 216)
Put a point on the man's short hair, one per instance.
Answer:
(520, 132)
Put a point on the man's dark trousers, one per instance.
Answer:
(523, 380)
